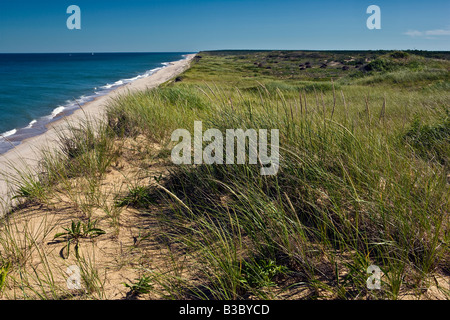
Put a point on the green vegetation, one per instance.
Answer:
(75, 232)
(363, 178)
(4, 269)
(261, 274)
(350, 192)
(142, 286)
(431, 141)
(138, 197)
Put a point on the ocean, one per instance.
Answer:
(36, 89)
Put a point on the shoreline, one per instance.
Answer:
(39, 125)
(25, 155)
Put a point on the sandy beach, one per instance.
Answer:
(25, 155)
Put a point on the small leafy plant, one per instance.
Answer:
(75, 232)
(142, 286)
(261, 273)
(4, 269)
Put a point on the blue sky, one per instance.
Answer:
(189, 26)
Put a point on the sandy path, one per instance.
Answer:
(26, 154)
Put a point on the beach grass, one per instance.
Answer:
(363, 181)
